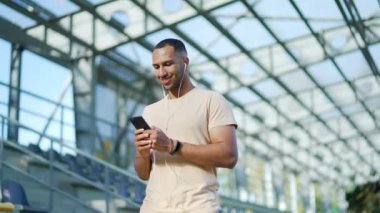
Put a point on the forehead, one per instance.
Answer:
(163, 54)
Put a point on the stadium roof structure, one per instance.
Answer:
(302, 76)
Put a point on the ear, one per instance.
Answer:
(186, 60)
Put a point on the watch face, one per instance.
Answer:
(176, 147)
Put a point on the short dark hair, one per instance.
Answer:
(178, 45)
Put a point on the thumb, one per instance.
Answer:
(155, 128)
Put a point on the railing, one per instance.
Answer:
(62, 125)
(106, 187)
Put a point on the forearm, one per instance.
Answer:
(143, 166)
(214, 155)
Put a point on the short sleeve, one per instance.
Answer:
(220, 112)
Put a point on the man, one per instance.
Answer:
(193, 133)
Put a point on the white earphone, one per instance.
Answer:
(185, 69)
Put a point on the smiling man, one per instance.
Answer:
(193, 133)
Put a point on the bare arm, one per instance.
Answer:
(222, 152)
(143, 162)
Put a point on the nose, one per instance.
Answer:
(161, 71)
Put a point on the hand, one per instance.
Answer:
(143, 143)
(160, 141)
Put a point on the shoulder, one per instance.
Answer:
(153, 107)
(211, 98)
(207, 93)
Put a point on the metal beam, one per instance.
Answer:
(14, 92)
(16, 35)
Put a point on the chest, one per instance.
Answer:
(187, 121)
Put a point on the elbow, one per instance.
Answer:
(232, 158)
(143, 177)
(231, 162)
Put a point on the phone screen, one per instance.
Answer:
(139, 122)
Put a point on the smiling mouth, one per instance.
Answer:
(165, 81)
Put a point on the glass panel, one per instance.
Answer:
(83, 27)
(241, 28)
(291, 108)
(158, 36)
(265, 112)
(373, 103)
(341, 94)
(323, 14)
(5, 55)
(137, 53)
(107, 37)
(243, 96)
(375, 51)
(343, 127)
(39, 74)
(367, 9)
(363, 121)
(303, 81)
(193, 25)
(95, 2)
(158, 8)
(316, 101)
(15, 17)
(58, 7)
(352, 108)
(331, 114)
(321, 132)
(325, 73)
(306, 50)
(269, 88)
(277, 60)
(58, 41)
(244, 68)
(339, 40)
(222, 48)
(106, 112)
(138, 21)
(281, 18)
(353, 65)
(252, 125)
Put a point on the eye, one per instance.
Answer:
(166, 64)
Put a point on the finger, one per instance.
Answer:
(143, 143)
(143, 148)
(142, 136)
(156, 129)
(139, 131)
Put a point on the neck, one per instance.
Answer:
(186, 87)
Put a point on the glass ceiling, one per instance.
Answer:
(303, 76)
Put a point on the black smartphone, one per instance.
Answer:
(139, 122)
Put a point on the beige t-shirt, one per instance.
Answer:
(176, 185)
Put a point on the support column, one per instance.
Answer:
(293, 193)
(14, 92)
(269, 191)
(119, 151)
(312, 196)
(84, 103)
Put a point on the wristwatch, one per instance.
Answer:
(177, 146)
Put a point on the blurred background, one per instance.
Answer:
(302, 77)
